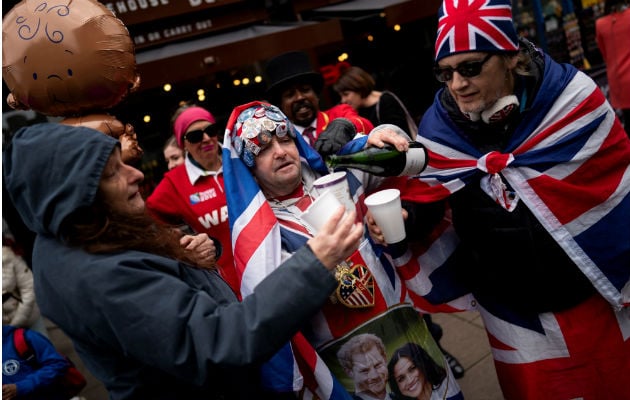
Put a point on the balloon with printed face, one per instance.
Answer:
(64, 57)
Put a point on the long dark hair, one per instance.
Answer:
(98, 229)
(433, 372)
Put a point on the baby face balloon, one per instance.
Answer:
(64, 57)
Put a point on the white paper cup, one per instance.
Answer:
(338, 184)
(387, 212)
(320, 211)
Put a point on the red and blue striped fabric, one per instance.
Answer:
(571, 354)
(259, 237)
(568, 161)
(256, 233)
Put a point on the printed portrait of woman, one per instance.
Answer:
(413, 374)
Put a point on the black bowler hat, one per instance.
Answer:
(289, 68)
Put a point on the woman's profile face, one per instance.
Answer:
(119, 186)
(409, 378)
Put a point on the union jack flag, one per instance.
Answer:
(255, 233)
(556, 360)
(261, 234)
(475, 25)
(569, 162)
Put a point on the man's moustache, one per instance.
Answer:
(305, 103)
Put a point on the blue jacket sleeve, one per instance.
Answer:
(48, 365)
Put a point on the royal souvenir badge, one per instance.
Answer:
(356, 286)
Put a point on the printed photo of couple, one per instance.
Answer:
(376, 363)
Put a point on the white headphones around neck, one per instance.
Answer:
(497, 112)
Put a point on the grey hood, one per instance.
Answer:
(50, 170)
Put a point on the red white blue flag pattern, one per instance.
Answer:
(568, 161)
(474, 25)
(257, 235)
(255, 231)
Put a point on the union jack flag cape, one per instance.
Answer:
(569, 162)
(255, 233)
(258, 238)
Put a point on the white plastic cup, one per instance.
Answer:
(386, 209)
(320, 211)
(338, 184)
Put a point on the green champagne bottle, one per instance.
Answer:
(386, 161)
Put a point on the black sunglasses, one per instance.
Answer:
(196, 136)
(468, 69)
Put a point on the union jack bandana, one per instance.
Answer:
(475, 25)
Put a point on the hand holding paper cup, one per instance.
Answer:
(321, 210)
(386, 210)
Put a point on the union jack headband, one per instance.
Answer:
(475, 25)
(254, 126)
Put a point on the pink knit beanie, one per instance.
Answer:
(187, 118)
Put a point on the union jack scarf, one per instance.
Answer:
(259, 238)
(255, 235)
(568, 161)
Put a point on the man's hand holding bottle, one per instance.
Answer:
(390, 134)
(388, 151)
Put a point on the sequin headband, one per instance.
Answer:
(254, 129)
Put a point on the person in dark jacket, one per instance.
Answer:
(146, 322)
(357, 88)
(22, 379)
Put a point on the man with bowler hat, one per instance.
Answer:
(295, 87)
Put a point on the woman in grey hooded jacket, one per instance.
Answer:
(144, 321)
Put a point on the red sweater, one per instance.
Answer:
(202, 206)
(362, 125)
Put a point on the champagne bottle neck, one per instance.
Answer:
(385, 161)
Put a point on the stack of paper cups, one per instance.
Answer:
(338, 185)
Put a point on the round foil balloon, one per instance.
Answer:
(64, 58)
